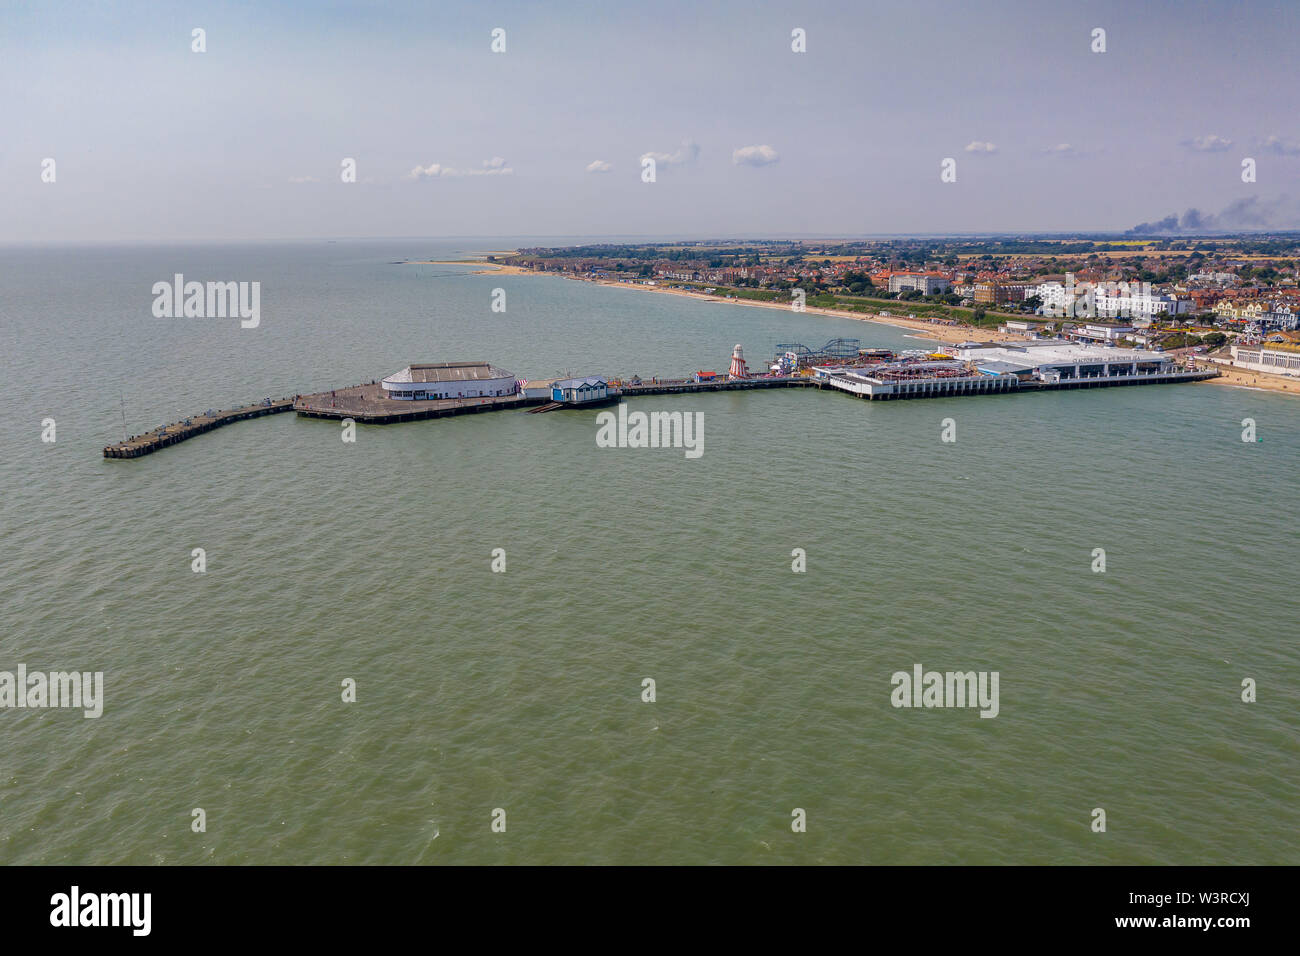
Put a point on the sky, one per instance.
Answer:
(151, 140)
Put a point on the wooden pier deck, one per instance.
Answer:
(680, 386)
(370, 405)
(177, 432)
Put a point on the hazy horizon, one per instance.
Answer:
(665, 238)
(247, 140)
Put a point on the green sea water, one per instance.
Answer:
(522, 690)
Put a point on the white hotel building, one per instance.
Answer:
(926, 283)
(1107, 300)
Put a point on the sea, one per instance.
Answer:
(487, 640)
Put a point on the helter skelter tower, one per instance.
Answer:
(738, 368)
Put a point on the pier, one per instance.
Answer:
(370, 405)
(177, 432)
(373, 404)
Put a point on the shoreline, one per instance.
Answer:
(943, 334)
(1245, 378)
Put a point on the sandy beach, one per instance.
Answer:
(1244, 378)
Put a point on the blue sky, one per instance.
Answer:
(246, 140)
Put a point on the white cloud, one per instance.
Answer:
(303, 179)
(978, 147)
(1207, 144)
(496, 166)
(1061, 149)
(599, 166)
(755, 156)
(685, 153)
(1282, 147)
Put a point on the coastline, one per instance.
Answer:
(945, 334)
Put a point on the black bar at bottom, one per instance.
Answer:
(336, 905)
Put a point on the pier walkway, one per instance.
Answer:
(177, 432)
(679, 386)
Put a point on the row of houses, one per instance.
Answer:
(1266, 315)
(1099, 290)
(1138, 301)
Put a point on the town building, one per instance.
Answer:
(1003, 293)
(1101, 332)
(1279, 358)
(1108, 300)
(927, 283)
(449, 380)
(1245, 311)
(580, 391)
(1280, 317)
(537, 388)
(1214, 278)
(1019, 327)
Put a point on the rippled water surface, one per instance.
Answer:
(522, 690)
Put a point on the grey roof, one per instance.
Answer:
(448, 372)
(578, 382)
(1001, 368)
